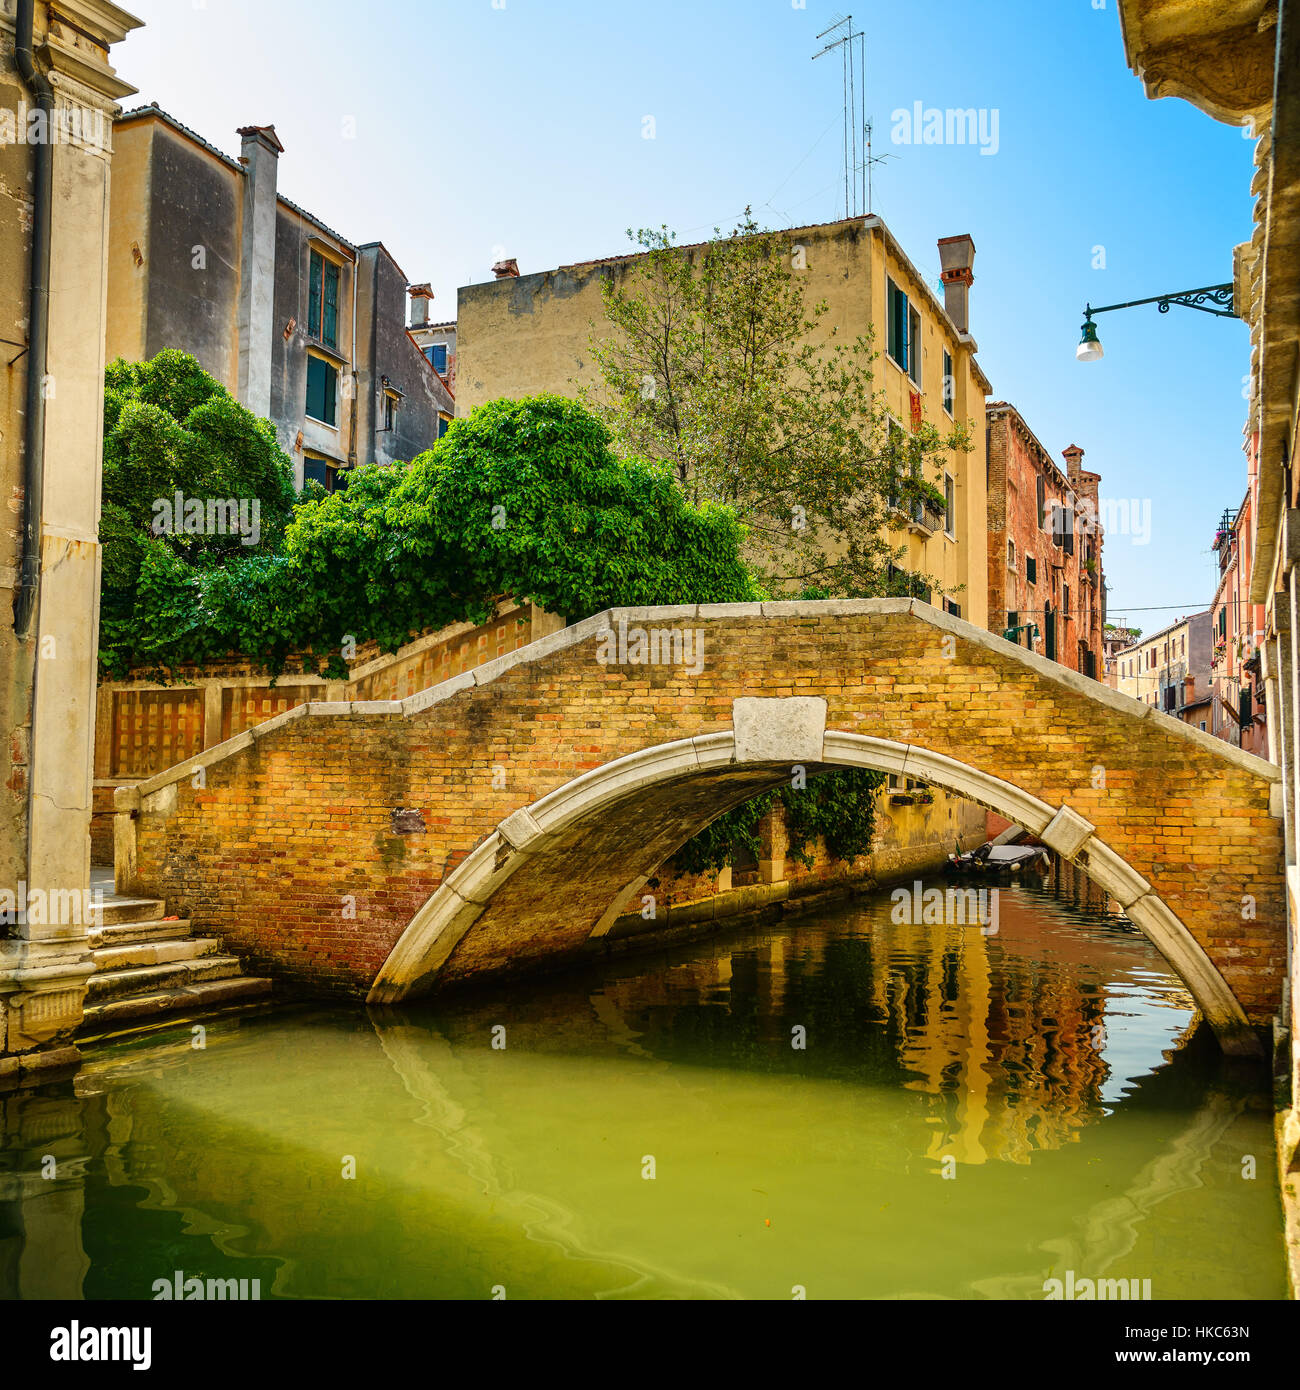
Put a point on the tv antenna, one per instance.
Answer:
(876, 159)
(852, 46)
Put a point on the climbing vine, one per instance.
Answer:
(839, 807)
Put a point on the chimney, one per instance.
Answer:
(260, 156)
(421, 297)
(1073, 457)
(956, 257)
(506, 270)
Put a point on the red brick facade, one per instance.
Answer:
(1041, 573)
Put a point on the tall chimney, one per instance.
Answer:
(1073, 461)
(506, 270)
(260, 156)
(421, 295)
(956, 257)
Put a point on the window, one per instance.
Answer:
(1065, 604)
(896, 311)
(1031, 569)
(444, 424)
(1013, 619)
(322, 471)
(949, 506)
(914, 346)
(1042, 501)
(323, 300)
(390, 411)
(437, 355)
(1202, 725)
(951, 607)
(949, 385)
(322, 391)
(1011, 555)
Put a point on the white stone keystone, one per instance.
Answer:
(1067, 833)
(789, 730)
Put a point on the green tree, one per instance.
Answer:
(171, 428)
(751, 396)
(523, 499)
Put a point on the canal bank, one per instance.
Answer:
(848, 1106)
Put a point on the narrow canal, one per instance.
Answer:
(971, 1114)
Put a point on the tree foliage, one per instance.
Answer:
(754, 399)
(522, 499)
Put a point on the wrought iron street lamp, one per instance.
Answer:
(1090, 348)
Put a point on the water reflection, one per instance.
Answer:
(849, 1105)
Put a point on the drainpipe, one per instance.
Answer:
(352, 352)
(38, 325)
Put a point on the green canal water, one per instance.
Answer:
(971, 1115)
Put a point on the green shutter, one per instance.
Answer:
(330, 318)
(313, 295)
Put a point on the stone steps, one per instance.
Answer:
(198, 998)
(115, 909)
(133, 954)
(149, 967)
(120, 933)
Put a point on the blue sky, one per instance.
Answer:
(458, 130)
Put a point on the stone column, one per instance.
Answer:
(49, 703)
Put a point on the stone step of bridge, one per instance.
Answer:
(116, 909)
(200, 998)
(155, 929)
(150, 967)
(121, 982)
(132, 954)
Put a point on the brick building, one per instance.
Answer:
(1046, 586)
(1236, 711)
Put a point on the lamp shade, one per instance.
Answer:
(1090, 348)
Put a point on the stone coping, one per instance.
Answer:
(129, 798)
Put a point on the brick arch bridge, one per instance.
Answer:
(503, 818)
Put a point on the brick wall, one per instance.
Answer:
(296, 832)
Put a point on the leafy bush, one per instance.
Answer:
(522, 499)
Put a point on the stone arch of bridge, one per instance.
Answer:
(556, 874)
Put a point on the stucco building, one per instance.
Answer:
(1169, 669)
(306, 328)
(54, 200)
(1046, 584)
(520, 334)
(436, 340)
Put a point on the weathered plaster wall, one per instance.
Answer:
(518, 336)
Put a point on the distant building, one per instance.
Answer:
(1045, 582)
(1170, 669)
(521, 334)
(305, 328)
(436, 340)
(1237, 710)
(1113, 641)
